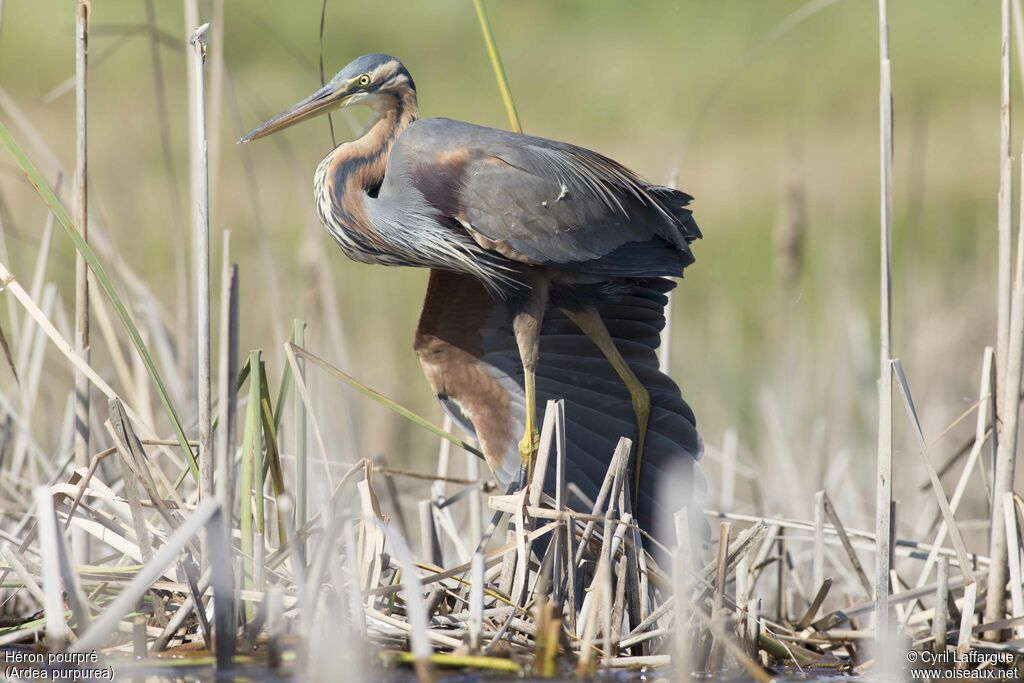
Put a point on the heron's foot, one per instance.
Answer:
(528, 447)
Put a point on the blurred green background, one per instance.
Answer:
(767, 110)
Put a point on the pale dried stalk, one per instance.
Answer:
(299, 434)
(1005, 347)
(941, 612)
(416, 610)
(1013, 558)
(226, 373)
(201, 228)
(206, 515)
(1008, 388)
(79, 548)
(819, 539)
(967, 619)
(940, 495)
(980, 436)
(883, 500)
(1004, 273)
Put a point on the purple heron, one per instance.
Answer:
(549, 275)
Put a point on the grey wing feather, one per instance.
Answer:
(547, 202)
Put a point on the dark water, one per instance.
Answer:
(19, 662)
(145, 674)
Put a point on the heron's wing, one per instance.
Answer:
(469, 354)
(545, 202)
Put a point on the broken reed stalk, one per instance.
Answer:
(939, 621)
(53, 604)
(1013, 559)
(1005, 451)
(940, 494)
(883, 500)
(981, 431)
(201, 236)
(818, 567)
(79, 542)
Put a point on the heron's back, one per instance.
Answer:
(538, 202)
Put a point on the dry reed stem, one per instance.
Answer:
(1009, 405)
(201, 240)
(299, 435)
(227, 371)
(980, 436)
(883, 500)
(1004, 272)
(79, 549)
(1013, 557)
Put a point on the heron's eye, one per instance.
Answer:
(364, 80)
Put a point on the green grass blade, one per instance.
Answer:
(499, 70)
(104, 281)
(272, 462)
(381, 398)
(256, 396)
(282, 396)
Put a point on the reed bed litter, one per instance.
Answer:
(548, 589)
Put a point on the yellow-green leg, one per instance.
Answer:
(530, 442)
(590, 323)
(526, 325)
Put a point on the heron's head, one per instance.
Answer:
(376, 80)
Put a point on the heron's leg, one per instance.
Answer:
(526, 325)
(590, 323)
(530, 442)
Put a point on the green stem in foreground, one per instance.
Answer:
(104, 281)
(381, 398)
(499, 70)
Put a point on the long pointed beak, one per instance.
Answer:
(326, 98)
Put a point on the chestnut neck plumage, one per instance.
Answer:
(352, 173)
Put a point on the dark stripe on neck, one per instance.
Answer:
(356, 163)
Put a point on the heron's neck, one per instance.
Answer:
(353, 172)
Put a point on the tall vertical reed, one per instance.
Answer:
(1007, 347)
(883, 500)
(79, 540)
(201, 229)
